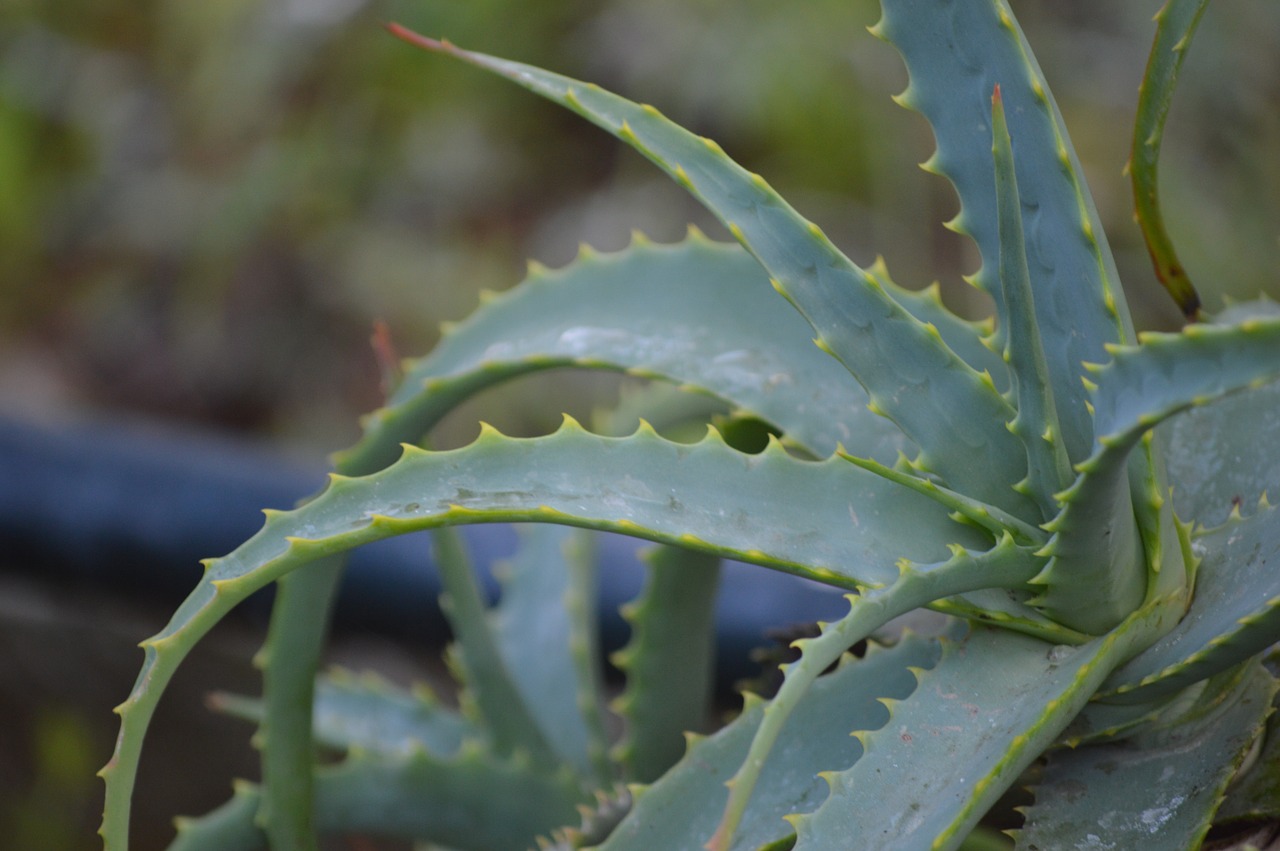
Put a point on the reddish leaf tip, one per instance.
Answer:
(405, 34)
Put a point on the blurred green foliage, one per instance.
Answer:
(207, 205)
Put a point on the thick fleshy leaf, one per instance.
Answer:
(1234, 614)
(1213, 453)
(967, 339)
(1177, 22)
(471, 802)
(681, 809)
(368, 713)
(1004, 566)
(1216, 455)
(951, 412)
(1048, 470)
(545, 628)
(1157, 790)
(991, 705)
(1254, 794)
(956, 54)
(737, 342)
(490, 696)
(1169, 373)
(290, 658)
(230, 827)
(697, 313)
(769, 508)
(669, 663)
(1097, 572)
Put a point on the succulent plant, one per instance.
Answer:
(1085, 505)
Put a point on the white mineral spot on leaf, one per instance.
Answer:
(1154, 818)
(498, 351)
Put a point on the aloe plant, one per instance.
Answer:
(1084, 505)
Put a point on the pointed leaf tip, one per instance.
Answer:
(407, 35)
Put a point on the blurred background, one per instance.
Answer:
(206, 207)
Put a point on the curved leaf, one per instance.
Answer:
(669, 663)
(1157, 790)
(490, 695)
(290, 658)
(1216, 455)
(683, 807)
(991, 705)
(471, 802)
(368, 713)
(769, 508)
(545, 629)
(1178, 20)
(1004, 566)
(967, 339)
(1096, 574)
(1036, 425)
(1170, 373)
(1254, 794)
(949, 410)
(697, 313)
(1234, 614)
(956, 53)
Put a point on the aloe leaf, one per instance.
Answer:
(547, 322)
(1157, 790)
(988, 517)
(967, 339)
(696, 313)
(580, 605)
(755, 508)
(669, 663)
(1004, 566)
(1254, 794)
(956, 53)
(1170, 373)
(764, 509)
(595, 825)
(677, 412)
(1007, 608)
(687, 801)
(1213, 455)
(991, 705)
(290, 658)
(952, 412)
(1048, 470)
(490, 696)
(1177, 22)
(1102, 722)
(368, 713)
(230, 827)
(1096, 574)
(1234, 614)
(1215, 447)
(545, 629)
(471, 802)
